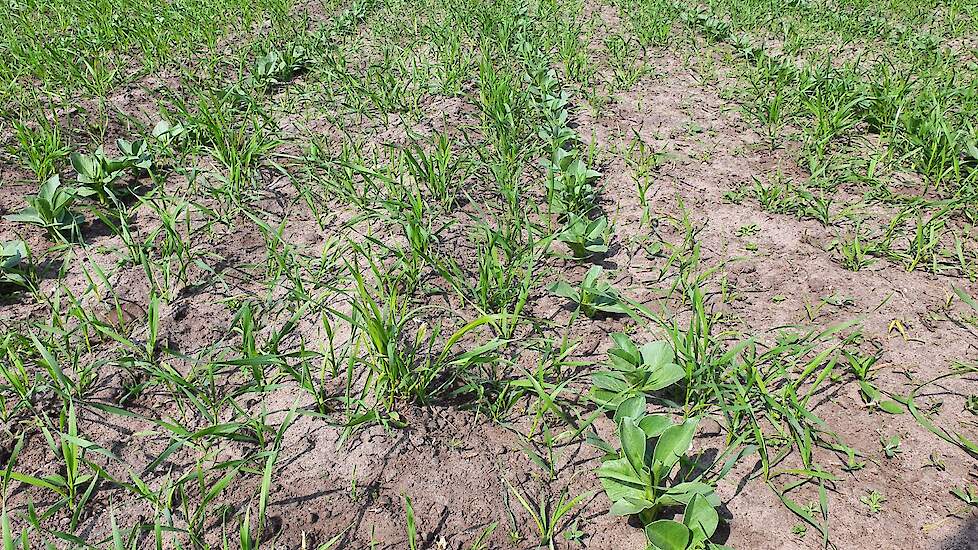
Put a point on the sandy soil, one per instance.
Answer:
(452, 462)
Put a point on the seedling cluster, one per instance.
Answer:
(279, 274)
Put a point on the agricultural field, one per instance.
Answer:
(488, 274)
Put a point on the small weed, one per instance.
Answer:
(874, 501)
(853, 252)
(890, 445)
(748, 230)
(971, 404)
(41, 147)
(967, 494)
(547, 516)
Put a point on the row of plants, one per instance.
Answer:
(832, 105)
(930, 126)
(47, 390)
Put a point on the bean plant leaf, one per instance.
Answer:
(672, 444)
(625, 354)
(682, 493)
(654, 424)
(701, 518)
(635, 371)
(629, 506)
(619, 470)
(666, 534)
(633, 443)
(633, 407)
(657, 354)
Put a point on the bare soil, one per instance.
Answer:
(452, 462)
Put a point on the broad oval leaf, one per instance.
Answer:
(632, 443)
(610, 381)
(619, 469)
(624, 348)
(681, 494)
(701, 518)
(654, 424)
(667, 534)
(629, 506)
(672, 444)
(633, 407)
(891, 407)
(617, 490)
(564, 290)
(659, 353)
(663, 377)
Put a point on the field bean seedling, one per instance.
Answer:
(488, 274)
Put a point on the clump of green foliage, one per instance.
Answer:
(13, 273)
(279, 65)
(647, 475)
(51, 209)
(585, 237)
(634, 371)
(594, 296)
(99, 174)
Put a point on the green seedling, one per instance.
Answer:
(278, 66)
(505, 273)
(573, 533)
(41, 147)
(73, 485)
(440, 171)
(594, 296)
(890, 445)
(552, 102)
(967, 494)
(627, 67)
(135, 154)
(173, 133)
(12, 271)
(748, 230)
(421, 366)
(936, 461)
(51, 209)
(634, 371)
(410, 525)
(874, 501)
(571, 183)
(99, 174)
(853, 253)
(971, 404)
(871, 395)
(481, 541)
(852, 463)
(818, 207)
(546, 515)
(585, 237)
(639, 478)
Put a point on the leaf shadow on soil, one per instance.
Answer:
(966, 538)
